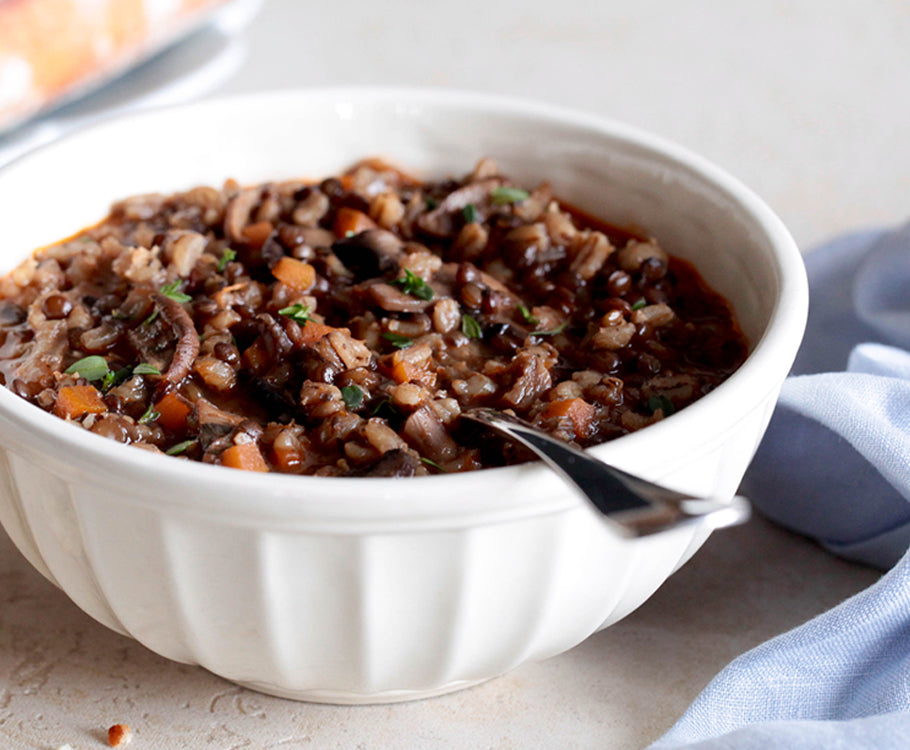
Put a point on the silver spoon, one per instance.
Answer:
(634, 506)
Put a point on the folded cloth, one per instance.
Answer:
(840, 681)
(835, 466)
(835, 462)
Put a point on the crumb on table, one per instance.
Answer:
(119, 735)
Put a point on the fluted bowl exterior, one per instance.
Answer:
(370, 590)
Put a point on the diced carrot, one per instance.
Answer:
(173, 411)
(404, 369)
(402, 372)
(351, 221)
(255, 357)
(413, 364)
(73, 401)
(347, 181)
(245, 456)
(294, 273)
(577, 409)
(256, 234)
(558, 408)
(311, 332)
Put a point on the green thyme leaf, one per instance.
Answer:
(470, 327)
(431, 204)
(640, 303)
(226, 257)
(297, 311)
(661, 402)
(412, 284)
(143, 368)
(504, 195)
(435, 465)
(385, 409)
(470, 213)
(397, 340)
(114, 378)
(172, 291)
(526, 314)
(90, 368)
(179, 448)
(150, 415)
(352, 396)
(553, 331)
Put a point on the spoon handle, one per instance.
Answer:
(634, 506)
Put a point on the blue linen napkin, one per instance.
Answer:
(834, 466)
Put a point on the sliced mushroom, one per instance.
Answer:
(45, 353)
(533, 379)
(352, 352)
(237, 215)
(393, 463)
(277, 342)
(370, 253)
(213, 423)
(426, 432)
(441, 221)
(187, 348)
(391, 299)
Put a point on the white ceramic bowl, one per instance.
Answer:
(368, 590)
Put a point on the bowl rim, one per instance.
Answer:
(108, 463)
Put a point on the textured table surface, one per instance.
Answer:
(805, 104)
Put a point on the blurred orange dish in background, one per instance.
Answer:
(53, 50)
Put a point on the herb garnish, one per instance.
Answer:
(226, 257)
(435, 465)
(297, 311)
(178, 448)
(402, 342)
(352, 395)
(385, 409)
(172, 291)
(431, 204)
(150, 415)
(90, 368)
(114, 377)
(470, 327)
(504, 195)
(470, 213)
(96, 367)
(412, 284)
(552, 331)
(526, 314)
(640, 303)
(661, 402)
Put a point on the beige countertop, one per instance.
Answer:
(65, 678)
(806, 103)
